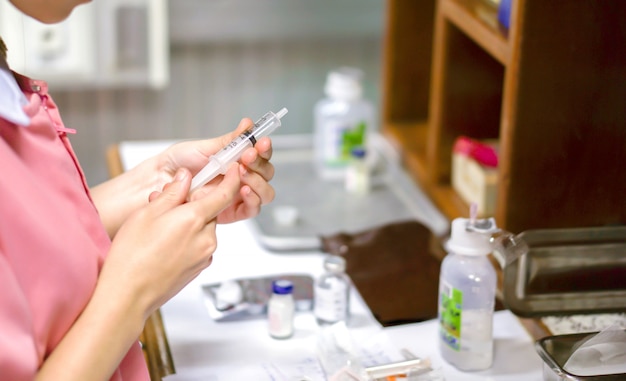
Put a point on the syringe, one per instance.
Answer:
(219, 162)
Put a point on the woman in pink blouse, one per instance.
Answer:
(80, 269)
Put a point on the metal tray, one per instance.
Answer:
(324, 207)
(556, 350)
(255, 293)
(568, 271)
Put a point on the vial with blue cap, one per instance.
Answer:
(281, 309)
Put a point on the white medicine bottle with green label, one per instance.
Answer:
(342, 121)
(467, 291)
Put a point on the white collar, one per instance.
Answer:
(12, 99)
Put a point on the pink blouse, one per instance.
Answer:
(52, 242)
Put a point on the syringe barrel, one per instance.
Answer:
(262, 127)
(267, 124)
(219, 162)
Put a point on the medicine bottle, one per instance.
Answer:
(342, 120)
(332, 292)
(467, 288)
(358, 172)
(280, 309)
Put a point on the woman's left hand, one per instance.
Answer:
(255, 173)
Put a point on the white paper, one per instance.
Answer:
(604, 353)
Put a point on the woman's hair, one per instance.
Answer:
(3, 49)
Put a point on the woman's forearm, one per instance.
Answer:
(120, 196)
(98, 341)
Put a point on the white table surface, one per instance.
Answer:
(200, 345)
(203, 349)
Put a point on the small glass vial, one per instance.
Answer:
(332, 292)
(358, 173)
(280, 309)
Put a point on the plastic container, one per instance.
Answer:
(332, 292)
(281, 309)
(467, 290)
(342, 121)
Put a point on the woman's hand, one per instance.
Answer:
(255, 173)
(119, 197)
(164, 245)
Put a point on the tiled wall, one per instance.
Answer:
(212, 87)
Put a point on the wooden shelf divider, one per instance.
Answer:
(480, 22)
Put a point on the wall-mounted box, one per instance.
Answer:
(101, 44)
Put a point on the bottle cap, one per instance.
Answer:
(282, 287)
(344, 83)
(467, 240)
(335, 263)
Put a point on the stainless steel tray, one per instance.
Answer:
(255, 293)
(556, 350)
(568, 271)
(324, 207)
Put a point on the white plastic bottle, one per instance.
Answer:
(342, 121)
(332, 292)
(467, 290)
(281, 309)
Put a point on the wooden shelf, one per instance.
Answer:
(410, 139)
(551, 90)
(479, 21)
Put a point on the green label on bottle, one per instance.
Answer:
(451, 306)
(352, 138)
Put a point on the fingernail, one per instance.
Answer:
(180, 175)
(243, 170)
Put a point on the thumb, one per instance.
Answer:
(174, 193)
(212, 202)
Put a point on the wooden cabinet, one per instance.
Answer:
(552, 89)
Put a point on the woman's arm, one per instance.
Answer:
(144, 269)
(117, 198)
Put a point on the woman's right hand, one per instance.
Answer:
(158, 250)
(163, 246)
